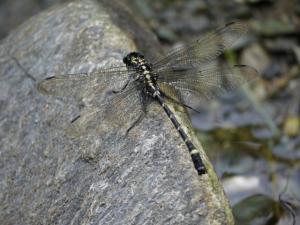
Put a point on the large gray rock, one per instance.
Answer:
(48, 177)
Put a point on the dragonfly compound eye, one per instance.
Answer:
(133, 59)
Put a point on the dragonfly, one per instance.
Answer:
(185, 74)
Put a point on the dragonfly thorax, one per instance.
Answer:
(144, 72)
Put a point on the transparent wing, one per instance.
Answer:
(206, 83)
(203, 50)
(118, 109)
(81, 85)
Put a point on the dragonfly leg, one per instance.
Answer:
(143, 101)
(136, 122)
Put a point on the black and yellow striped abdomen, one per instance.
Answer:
(198, 163)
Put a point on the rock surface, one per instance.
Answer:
(47, 177)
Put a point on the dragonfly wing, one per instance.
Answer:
(81, 85)
(118, 109)
(208, 83)
(203, 50)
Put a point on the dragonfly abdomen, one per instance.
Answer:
(196, 158)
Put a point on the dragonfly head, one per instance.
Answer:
(134, 59)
